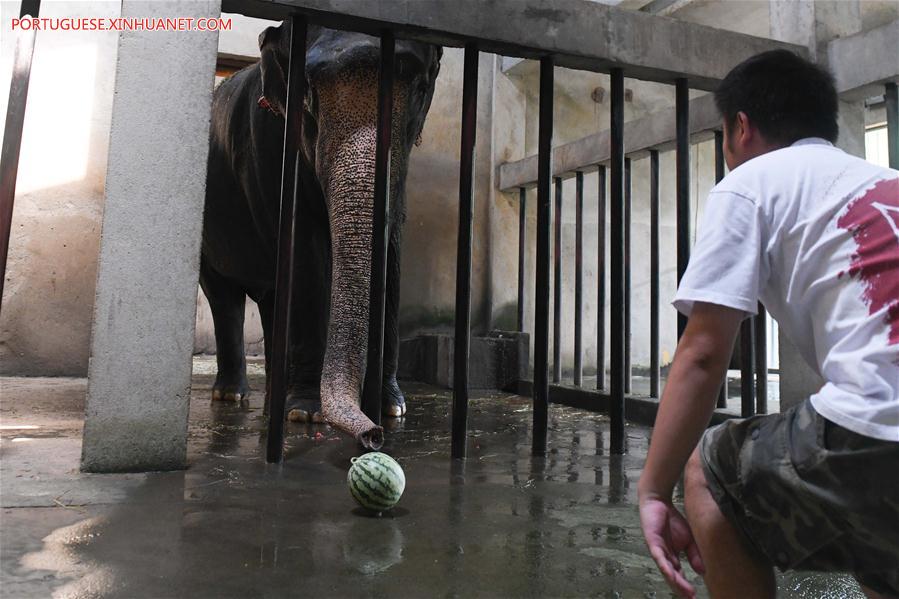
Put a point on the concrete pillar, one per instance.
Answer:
(793, 21)
(144, 311)
(852, 128)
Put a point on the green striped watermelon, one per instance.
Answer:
(376, 481)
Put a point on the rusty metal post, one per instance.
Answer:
(12, 133)
(628, 375)
(616, 192)
(601, 280)
(682, 116)
(541, 305)
(293, 132)
(557, 285)
(461, 341)
(374, 369)
(578, 278)
(719, 174)
(654, 368)
(522, 245)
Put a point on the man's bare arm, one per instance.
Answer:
(690, 393)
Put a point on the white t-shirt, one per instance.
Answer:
(813, 233)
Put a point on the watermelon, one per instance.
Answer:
(376, 481)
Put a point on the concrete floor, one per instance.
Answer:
(504, 524)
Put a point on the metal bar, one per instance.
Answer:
(579, 279)
(557, 285)
(761, 361)
(719, 174)
(463, 252)
(682, 116)
(616, 192)
(627, 276)
(374, 369)
(29, 8)
(654, 368)
(541, 304)
(522, 244)
(747, 360)
(12, 133)
(891, 97)
(601, 280)
(293, 133)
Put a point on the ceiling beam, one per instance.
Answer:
(580, 34)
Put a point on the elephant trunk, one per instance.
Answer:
(345, 163)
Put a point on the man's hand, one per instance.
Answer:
(667, 535)
(684, 411)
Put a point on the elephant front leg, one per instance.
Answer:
(393, 404)
(303, 400)
(303, 403)
(309, 318)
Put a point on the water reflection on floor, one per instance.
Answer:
(503, 523)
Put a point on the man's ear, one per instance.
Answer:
(742, 128)
(272, 66)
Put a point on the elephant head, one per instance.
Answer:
(339, 138)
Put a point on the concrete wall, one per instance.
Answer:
(51, 273)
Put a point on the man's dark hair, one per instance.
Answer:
(787, 97)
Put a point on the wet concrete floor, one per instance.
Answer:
(503, 524)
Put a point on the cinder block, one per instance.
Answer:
(497, 361)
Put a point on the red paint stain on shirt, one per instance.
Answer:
(873, 220)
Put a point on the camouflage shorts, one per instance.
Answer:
(809, 494)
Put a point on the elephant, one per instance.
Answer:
(332, 258)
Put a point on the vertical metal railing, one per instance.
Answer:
(719, 174)
(463, 251)
(682, 126)
(284, 271)
(12, 133)
(747, 364)
(578, 278)
(891, 99)
(616, 196)
(654, 267)
(601, 278)
(557, 284)
(628, 331)
(541, 304)
(522, 245)
(374, 369)
(550, 246)
(761, 360)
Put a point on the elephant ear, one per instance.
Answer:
(272, 65)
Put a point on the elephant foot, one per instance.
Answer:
(303, 409)
(393, 404)
(372, 438)
(230, 391)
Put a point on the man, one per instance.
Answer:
(814, 234)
